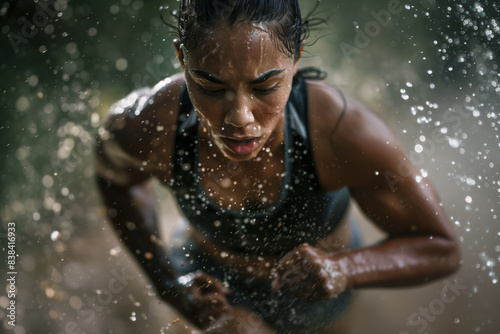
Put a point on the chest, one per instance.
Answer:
(268, 206)
(250, 185)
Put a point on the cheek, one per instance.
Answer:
(273, 107)
(269, 118)
(206, 108)
(279, 100)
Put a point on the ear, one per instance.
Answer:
(297, 60)
(180, 53)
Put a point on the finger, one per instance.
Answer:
(207, 316)
(301, 256)
(314, 294)
(214, 304)
(318, 291)
(276, 282)
(209, 283)
(289, 259)
(210, 300)
(305, 290)
(210, 308)
(303, 285)
(217, 286)
(296, 275)
(292, 277)
(211, 288)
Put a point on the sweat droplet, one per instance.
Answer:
(114, 251)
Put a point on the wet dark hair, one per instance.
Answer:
(282, 18)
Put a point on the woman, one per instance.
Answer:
(263, 160)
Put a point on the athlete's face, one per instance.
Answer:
(239, 82)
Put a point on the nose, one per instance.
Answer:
(239, 113)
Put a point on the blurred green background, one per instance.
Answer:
(431, 68)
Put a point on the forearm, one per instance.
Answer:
(399, 262)
(132, 213)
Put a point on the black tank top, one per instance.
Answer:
(303, 213)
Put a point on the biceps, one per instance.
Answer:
(413, 208)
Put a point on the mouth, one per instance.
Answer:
(241, 146)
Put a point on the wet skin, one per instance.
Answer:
(239, 83)
(241, 108)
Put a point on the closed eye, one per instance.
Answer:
(268, 90)
(211, 92)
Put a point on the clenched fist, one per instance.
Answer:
(310, 274)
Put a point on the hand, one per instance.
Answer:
(205, 297)
(310, 274)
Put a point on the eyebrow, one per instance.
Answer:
(260, 78)
(207, 76)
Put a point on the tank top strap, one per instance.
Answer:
(185, 108)
(299, 108)
(344, 108)
(185, 142)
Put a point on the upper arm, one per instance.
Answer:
(390, 189)
(136, 139)
(366, 156)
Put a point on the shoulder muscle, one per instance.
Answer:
(352, 144)
(135, 141)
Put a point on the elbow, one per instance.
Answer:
(456, 259)
(446, 257)
(453, 259)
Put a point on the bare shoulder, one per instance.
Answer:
(137, 135)
(351, 143)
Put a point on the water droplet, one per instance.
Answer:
(55, 235)
(454, 142)
(470, 181)
(22, 103)
(121, 64)
(115, 251)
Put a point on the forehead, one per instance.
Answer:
(246, 48)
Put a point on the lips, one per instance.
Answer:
(241, 146)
